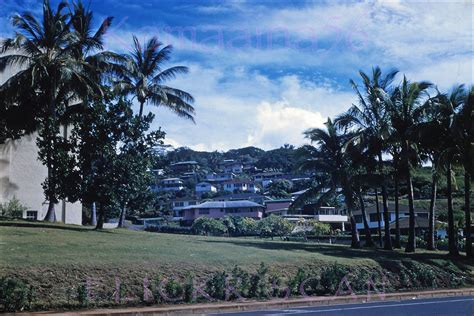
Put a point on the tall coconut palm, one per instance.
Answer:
(101, 65)
(145, 77)
(331, 163)
(463, 130)
(42, 52)
(371, 122)
(405, 108)
(447, 107)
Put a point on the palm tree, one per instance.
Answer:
(101, 65)
(43, 51)
(447, 107)
(144, 78)
(463, 129)
(371, 122)
(331, 163)
(405, 108)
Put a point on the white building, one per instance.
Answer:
(240, 185)
(169, 184)
(205, 187)
(21, 175)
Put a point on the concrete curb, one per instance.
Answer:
(199, 309)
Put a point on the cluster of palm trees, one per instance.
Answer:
(59, 64)
(391, 130)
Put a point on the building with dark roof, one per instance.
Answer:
(218, 209)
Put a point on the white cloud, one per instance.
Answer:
(279, 123)
(237, 107)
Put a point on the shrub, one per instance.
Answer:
(82, 294)
(208, 226)
(188, 289)
(331, 277)
(15, 295)
(259, 283)
(274, 226)
(12, 208)
(216, 285)
(240, 281)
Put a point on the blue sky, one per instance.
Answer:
(264, 71)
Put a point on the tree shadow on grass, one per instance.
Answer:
(342, 251)
(36, 224)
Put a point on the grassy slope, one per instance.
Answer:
(54, 257)
(44, 244)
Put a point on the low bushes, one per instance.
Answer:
(237, 284)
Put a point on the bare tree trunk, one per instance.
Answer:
(121, 222)
(368, 236)
(431, 220)
(51, 213)
(467, 213)
(452, 233)
(397, 244)
(379, 218)
(93, 214)
(101, 220)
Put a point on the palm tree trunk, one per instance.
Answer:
(379, 218)
(411, 244)
(348, 195)
(431, 220)
(368, 236)
(397, 244)
(386, 215)
(467, 213)
(140, 113)
(121, 222)
(93, 214)
(452, 233)
(49, 134)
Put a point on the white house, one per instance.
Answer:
(231, 165)
(240, 185)
(169, 184)
(205, 187)
(220, 177)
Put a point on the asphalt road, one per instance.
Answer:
(445, 306)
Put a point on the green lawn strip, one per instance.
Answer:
(56, 258)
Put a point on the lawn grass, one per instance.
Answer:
(40, 244)
(53, 258)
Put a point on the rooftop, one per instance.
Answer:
(189, 162)
(225, 204)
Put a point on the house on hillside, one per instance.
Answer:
(215, 209)
(231, 165)
(177, 205)
(220, 177)
(169, 184)
(249, 196)
(205, 187)
(184, 166)
(240, 185)
(371, 210)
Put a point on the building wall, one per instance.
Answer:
(21, 175)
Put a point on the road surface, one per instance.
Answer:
(443, 306)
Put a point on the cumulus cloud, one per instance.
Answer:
(279, 123)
